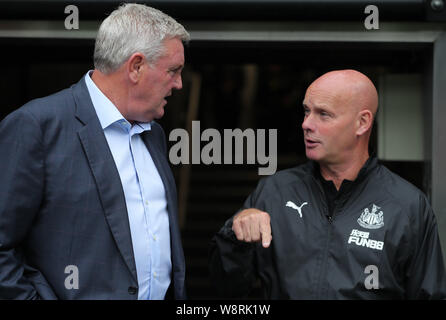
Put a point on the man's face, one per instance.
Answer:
(329, 125)
(157, 82)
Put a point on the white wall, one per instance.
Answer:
(400, 118)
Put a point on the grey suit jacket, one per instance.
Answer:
(62, 204)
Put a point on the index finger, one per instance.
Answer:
(265, 231)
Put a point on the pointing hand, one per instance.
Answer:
(252, 225)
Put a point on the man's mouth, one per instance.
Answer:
(311, 143)
(166, 97)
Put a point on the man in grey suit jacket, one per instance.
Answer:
(88, 205)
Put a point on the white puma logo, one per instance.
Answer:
(293, 205)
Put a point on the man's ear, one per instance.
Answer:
(364, 121)
(134, 65)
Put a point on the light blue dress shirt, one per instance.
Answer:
(145, 196)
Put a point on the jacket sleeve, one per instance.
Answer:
(425, 276)
(232, 263)
(21, 188)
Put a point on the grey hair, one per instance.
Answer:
(134, 28)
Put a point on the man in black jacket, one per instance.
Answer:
(340, 226)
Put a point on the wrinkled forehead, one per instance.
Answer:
(327, 94)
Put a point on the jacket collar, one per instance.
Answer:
(348, 187)
(369, 165)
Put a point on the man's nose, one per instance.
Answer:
(307, 123)
(178, 84)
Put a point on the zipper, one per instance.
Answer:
(324, 289)
(322, 283)
(321, 286)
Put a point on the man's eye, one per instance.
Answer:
(172, 72)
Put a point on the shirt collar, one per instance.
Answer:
(107, 111)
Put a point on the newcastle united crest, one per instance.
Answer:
(371, 220)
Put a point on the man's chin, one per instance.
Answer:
(312, 155)
(159, 113)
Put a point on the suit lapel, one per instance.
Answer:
(105, 174)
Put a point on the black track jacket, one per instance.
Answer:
(380, 243)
